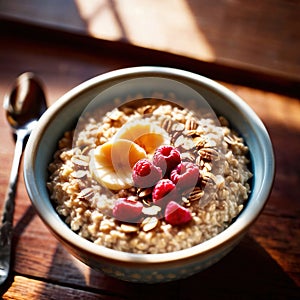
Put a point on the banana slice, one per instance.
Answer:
(111, 163)
(144, 132)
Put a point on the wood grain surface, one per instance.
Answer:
(260, 35)
(266, 264)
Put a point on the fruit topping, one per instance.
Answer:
(127, 210)
(144, 132)
(111, 163)
(145, 174)
(175, 214)
(167, 158)
(164, 192)
(140, 156)
(185, 175)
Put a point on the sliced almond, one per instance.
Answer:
(167, 124)
(86, 193)
(191, 124)
(129, 228)
(199, 141)
(151, 210)
(80, 160)
(230, 140)
(149, 223)
(79, 174)
(142, 193)
(209, 154)
(178, 127)
(196, 194)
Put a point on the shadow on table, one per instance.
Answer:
(248, 272)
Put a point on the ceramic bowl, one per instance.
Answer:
(150, 268)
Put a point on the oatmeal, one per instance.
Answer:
(152, 179)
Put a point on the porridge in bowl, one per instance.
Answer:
(150, 177)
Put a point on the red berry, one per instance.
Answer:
(176, 214)
(167, 158)
(127, 210)
(145, 174)
(164, 192)
(185, 175)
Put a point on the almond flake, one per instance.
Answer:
(151, 210)
(144, 192)
(79, 174)
(129, 228)
(149, 223)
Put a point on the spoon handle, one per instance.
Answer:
(8, 211)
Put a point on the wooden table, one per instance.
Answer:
(265, 265)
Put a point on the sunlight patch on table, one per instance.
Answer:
(168, 25)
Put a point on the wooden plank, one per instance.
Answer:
(263, 36)
(25, 288)
(133, 55)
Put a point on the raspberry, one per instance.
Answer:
(127, 210)
(164, 191)
(167, 158)
(185, 175)
(145, 174)
(176, 214)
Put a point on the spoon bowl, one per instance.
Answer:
(26, 102)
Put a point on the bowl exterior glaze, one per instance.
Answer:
(151, 268)
(150, 272)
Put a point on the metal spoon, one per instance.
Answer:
(24, 106)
